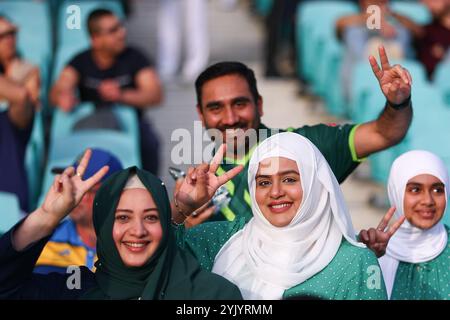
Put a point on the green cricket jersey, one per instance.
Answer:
(353, 274)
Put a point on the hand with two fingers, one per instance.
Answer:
(68, 189)
(200, 185)
(377, 239)
(395, 81)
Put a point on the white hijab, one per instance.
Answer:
(264, 260)
(411, 244)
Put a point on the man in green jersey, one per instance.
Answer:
(228, 101)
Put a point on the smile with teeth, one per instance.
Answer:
(135, 245)
(279, 206)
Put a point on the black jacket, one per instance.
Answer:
(17, 280)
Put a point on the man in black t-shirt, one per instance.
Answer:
(108, 73)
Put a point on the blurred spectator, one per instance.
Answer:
(74, 241)
(182, 21)
(281, 18)
(19, 92)
(436, 7)
(433, 39)
(109, 73)
(361, 42)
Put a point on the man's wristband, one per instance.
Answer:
(400, 106)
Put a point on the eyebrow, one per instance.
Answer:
(213, 104)
(131, 211)
(282, 173)
(240, 99)
(233, 101)
(437, 184)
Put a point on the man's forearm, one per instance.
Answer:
(140, 99)
(386, 131)
(393, 124)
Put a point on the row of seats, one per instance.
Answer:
(320, 60)
(45, 39)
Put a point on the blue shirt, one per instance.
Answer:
(13, 143)
(65, 248)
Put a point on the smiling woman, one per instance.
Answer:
(417, 260)
(300, 241)
(137, 254)
(137, 230)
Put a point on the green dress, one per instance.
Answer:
(353, 274)
(424, 281)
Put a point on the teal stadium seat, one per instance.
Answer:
(63, 122)
(66, 149)
(413, 10)
(441, 79)
(263, 6)
(315, 28)
(35, 160)
(10, 215)
(428, 131)
(329, 83)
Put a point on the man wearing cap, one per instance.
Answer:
(74, 241)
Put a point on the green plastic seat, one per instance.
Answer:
(11, 214)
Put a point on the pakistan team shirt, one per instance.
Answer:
(353, 274)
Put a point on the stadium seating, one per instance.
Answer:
(413, 10)
(10, 214)
(263, 6)
(441, 79)
(35, 160)
(315, 28)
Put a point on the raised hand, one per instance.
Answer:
(201, 183)
(68, 189)
(378, 239)
(395, 81)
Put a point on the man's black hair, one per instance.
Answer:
(223, 69)
(94, 17)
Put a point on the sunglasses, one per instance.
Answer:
(113, 29)
(12, 33)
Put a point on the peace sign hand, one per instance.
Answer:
(68, 189)
(395, 81)
(378, 239)
(201, 183)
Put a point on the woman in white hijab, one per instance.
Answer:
(417, 260)
(300, 241)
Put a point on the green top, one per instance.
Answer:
(353, 274)
(169, 274)
(336, 143)
(424, 281)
